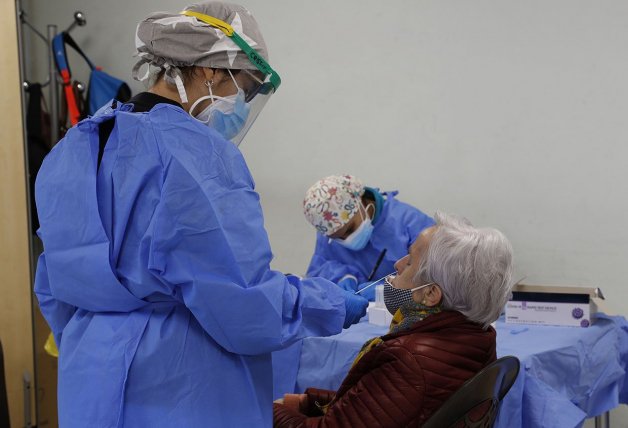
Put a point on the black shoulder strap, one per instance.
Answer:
(104, 132)
(68, 40)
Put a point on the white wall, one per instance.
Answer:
(510, 113)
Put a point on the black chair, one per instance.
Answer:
(476, 403)
(4, 400)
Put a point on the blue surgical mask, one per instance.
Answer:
(227, 115)
(360, 237)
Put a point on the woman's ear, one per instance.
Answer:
(209, 74)
(216, 75)
(433, 295)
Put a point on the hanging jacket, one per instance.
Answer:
(155, 276)
(402, 381)
(37, 136)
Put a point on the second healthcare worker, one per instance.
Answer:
(361, 232)
(155, 276)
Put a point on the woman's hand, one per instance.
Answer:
(297, 402)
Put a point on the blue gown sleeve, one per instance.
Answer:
(208, 242)
(56, 312)
(323, 264)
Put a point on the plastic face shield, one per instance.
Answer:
(257, 97)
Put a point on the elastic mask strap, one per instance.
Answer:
(362, 216)
(201, 99)
(216, 97)
(330, 240)
(422, 286)
(211, 97)
(209, 87)
(233, 78)
(366, 212)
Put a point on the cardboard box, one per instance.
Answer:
(552, 305)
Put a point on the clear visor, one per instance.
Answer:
(256, 98)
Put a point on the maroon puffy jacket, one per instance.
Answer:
(401, 382)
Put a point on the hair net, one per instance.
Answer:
(331, 202)
(171, 40)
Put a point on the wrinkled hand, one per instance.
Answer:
(296, 402)
(348, 284)
(355, 308)
(369, 293)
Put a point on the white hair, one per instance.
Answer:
(473, 267)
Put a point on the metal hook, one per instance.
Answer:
(79, 19)
(22, 15)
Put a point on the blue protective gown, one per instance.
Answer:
(396, 227)
(155, 278)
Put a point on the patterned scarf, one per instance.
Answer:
(405, 317)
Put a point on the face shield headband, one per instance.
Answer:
(257, 98)
(257, 60)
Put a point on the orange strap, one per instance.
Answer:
(73, 110)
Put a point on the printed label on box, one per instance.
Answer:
(548, 313)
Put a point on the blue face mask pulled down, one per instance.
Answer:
(229, 115)
(360, 237)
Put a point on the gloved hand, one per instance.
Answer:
(349, 283)
(369, 293)
(355, 308)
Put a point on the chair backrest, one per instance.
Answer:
(476, 403)
(4, 400)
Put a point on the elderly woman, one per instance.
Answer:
(449, 288)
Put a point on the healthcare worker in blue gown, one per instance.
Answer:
(155, 275)
(362, 232)
(361, 235)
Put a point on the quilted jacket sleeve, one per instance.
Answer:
(379, 393)
(318, 397)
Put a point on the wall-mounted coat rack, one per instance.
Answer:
(52, 80)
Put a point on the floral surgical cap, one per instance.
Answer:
(331, 202)
(168, 41)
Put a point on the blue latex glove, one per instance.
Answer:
(369, 293)
(355, 307)
(349, 284)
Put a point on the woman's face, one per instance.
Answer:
(408, 266)
(345, 231)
